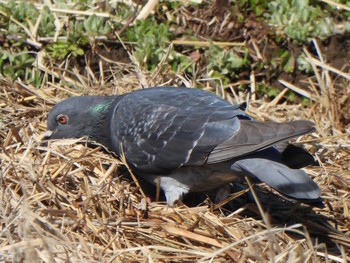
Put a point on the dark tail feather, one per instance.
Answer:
(290, 182)
(296, 157)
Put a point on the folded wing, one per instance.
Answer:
(254, 135)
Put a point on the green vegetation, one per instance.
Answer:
(29, 29)
(226, 64)
(300, 20)
(152, 42)
(17, 65)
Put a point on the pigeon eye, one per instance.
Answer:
(62, 119)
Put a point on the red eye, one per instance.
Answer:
(62, 119)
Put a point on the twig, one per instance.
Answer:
(296, 89)
(336, 5)
(131, 18)
(147, 9)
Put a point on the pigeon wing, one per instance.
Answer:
(160, 130)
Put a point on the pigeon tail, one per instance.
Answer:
(290, 182)
(296, 157)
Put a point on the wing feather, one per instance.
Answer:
(254, 136)
(165, 128)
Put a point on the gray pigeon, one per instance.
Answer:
(189, 138)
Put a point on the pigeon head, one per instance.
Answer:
(79, 116)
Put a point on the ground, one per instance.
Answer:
(69, 201)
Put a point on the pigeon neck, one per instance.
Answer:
(100, 114)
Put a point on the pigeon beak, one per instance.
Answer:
(47, 134)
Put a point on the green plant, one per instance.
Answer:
(96, 26)
(284, 61)
(226, 64)
(304, 64)
(76, 39)
(23, 12)
(258, 7)
(47, 23)
(62, 48)
(267, 90)
(21, 17)
(152, 41)
(300, 20)
(19, 66)
(152, 45)
(179, 62)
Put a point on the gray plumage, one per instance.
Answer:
(192, 139)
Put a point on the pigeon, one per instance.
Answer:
(186, 140)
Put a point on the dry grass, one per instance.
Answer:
(66, 202)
